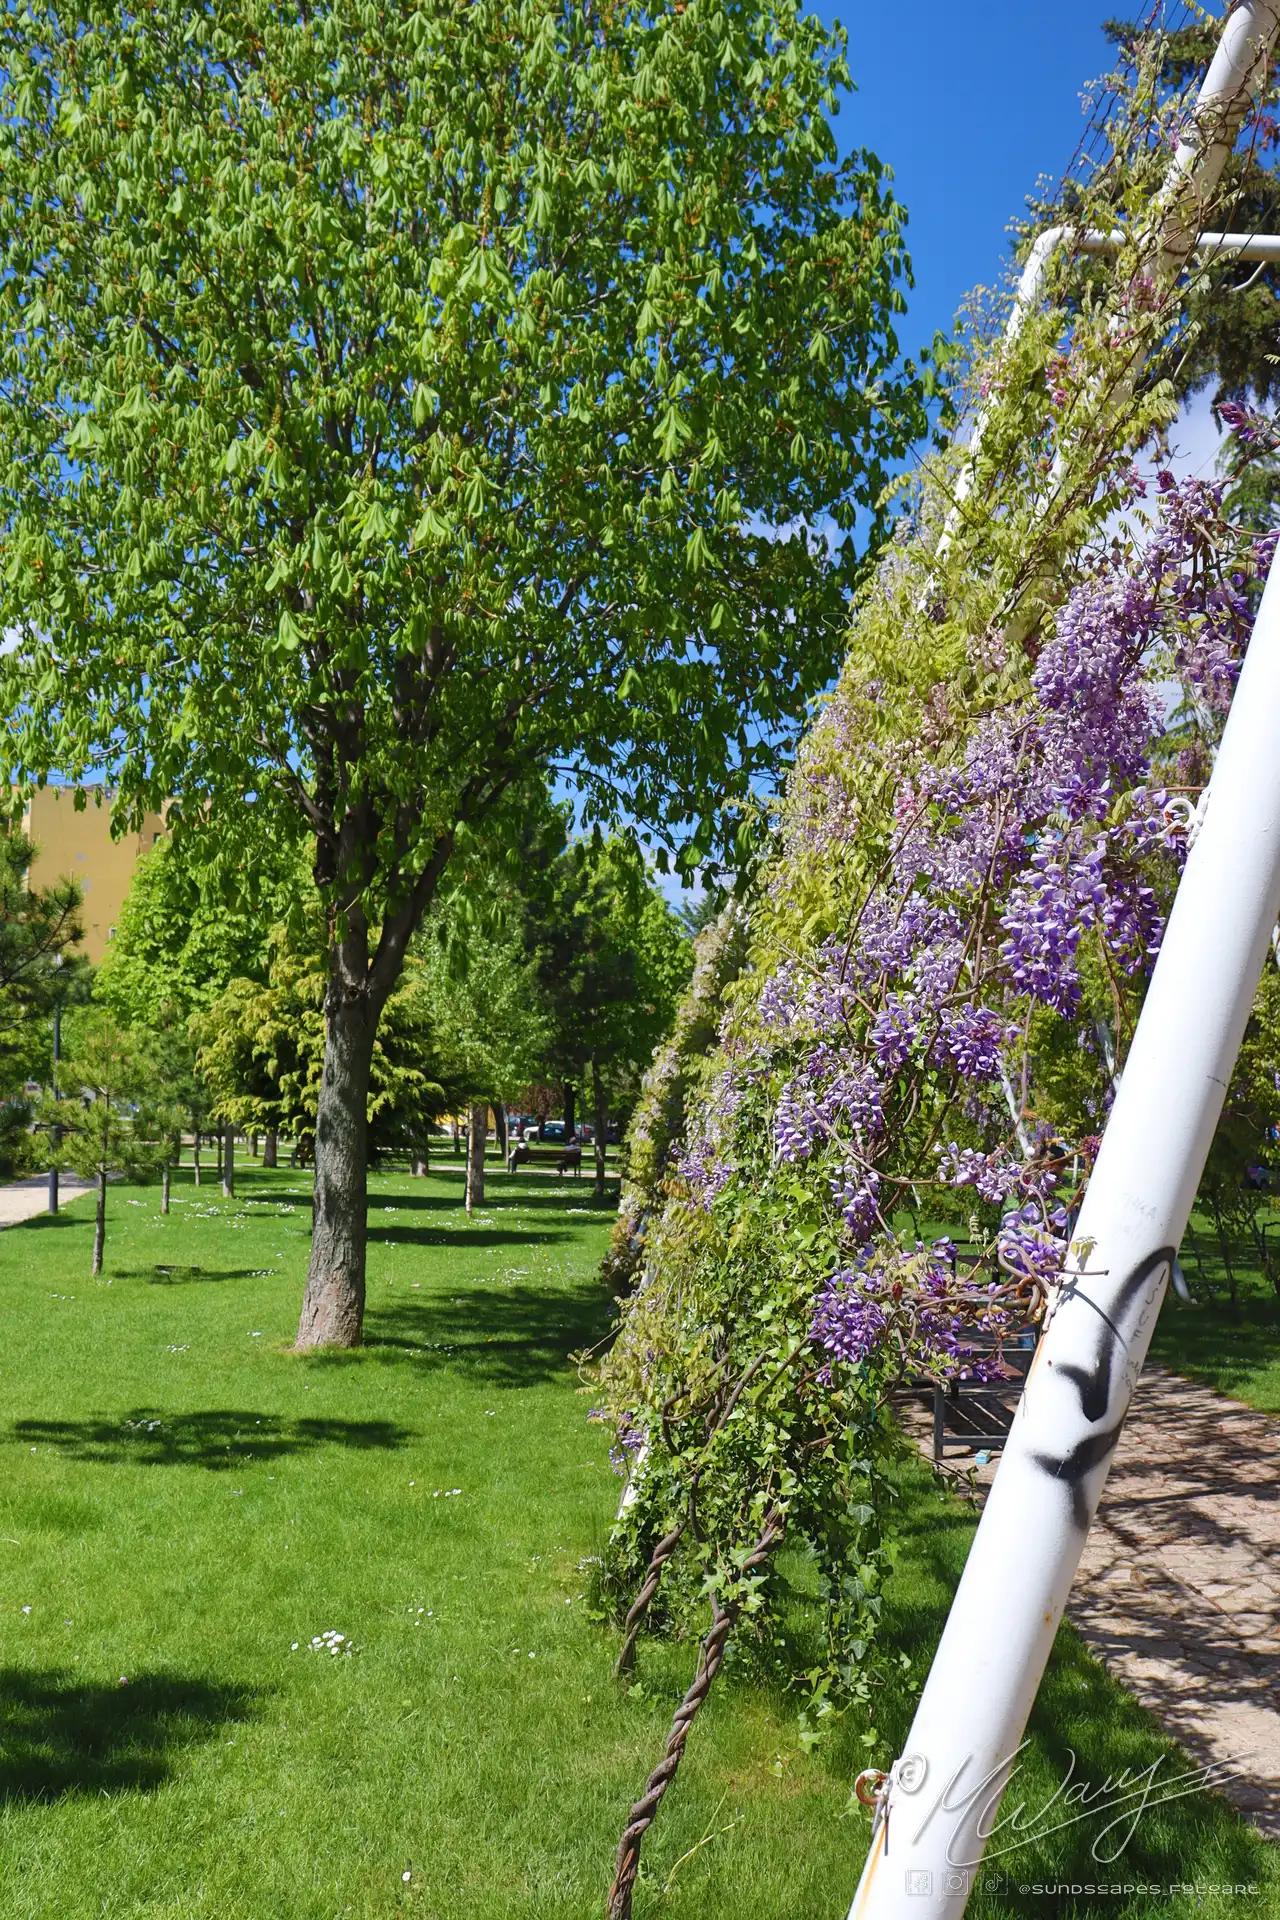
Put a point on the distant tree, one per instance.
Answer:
(489, 1018)
(397, 398)
(184, 930)
(260, 1050)
(39, 932)
(614, 960)
(700, 911)
(181, 1099)
(114, 1115)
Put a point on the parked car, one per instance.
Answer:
(555, 1130)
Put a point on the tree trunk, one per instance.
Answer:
(164, 1188)
(477, 1140)
(601, 1124)
(269, 1146)
(500, 1129)
(453, 1129)
(253, 1145)
(100, 1223)
(422, 1159)
(333, 1306)
(218, 1136)
(195, 1155)
(570, 1112)
(229, 1165)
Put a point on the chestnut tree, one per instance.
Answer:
(394, 399)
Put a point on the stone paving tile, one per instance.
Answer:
(1178, 1591)
(1191, 1513)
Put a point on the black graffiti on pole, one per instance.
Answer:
(1093, 1385)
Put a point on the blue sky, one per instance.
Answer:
(968, 104)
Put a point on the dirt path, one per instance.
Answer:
(24, 1199)
(1178, 1592)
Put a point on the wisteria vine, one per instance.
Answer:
(881, 1156)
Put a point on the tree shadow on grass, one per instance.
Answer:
(463, 1236)
(507, 1336)
(61, 1735)
(1225, 1345)
(505, 1196)
(503, 1193)
(1084, 1727)
(416, 1202)
(217, 1438)
(179, 1276)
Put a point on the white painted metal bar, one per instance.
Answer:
(971, 1717)
(1210, 246)
(1238, 246)
(939, 1808)
(1243, 50)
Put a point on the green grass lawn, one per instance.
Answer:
(1233, 1346)
(182, 1500)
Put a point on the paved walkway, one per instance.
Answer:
(1179, 1587)
(24, 1199)
(1178, 1592)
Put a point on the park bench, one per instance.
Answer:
(525, 1153)
(979, 1413)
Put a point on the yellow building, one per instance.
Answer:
(79, 846)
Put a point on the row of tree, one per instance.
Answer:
(546, 959)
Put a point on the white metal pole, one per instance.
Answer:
(936, 1812)
(1207, 247)
(1244, 46)
(931, 1833)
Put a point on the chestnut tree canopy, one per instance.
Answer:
(394, 399)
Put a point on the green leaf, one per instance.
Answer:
(288, 633)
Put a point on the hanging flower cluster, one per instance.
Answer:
(1036, 854)
(920, 1305)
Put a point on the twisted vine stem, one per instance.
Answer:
(711, 1652)
(640, 1605)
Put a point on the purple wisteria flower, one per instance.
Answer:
(705, 1164)
(855, 1191)
(970, 1039)
(1043, 829)
(991, 1175)
(915, 1304)
(1032, 1244)
(811, 1108)
(848, 1321)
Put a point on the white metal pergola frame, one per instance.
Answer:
(941, 1798)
